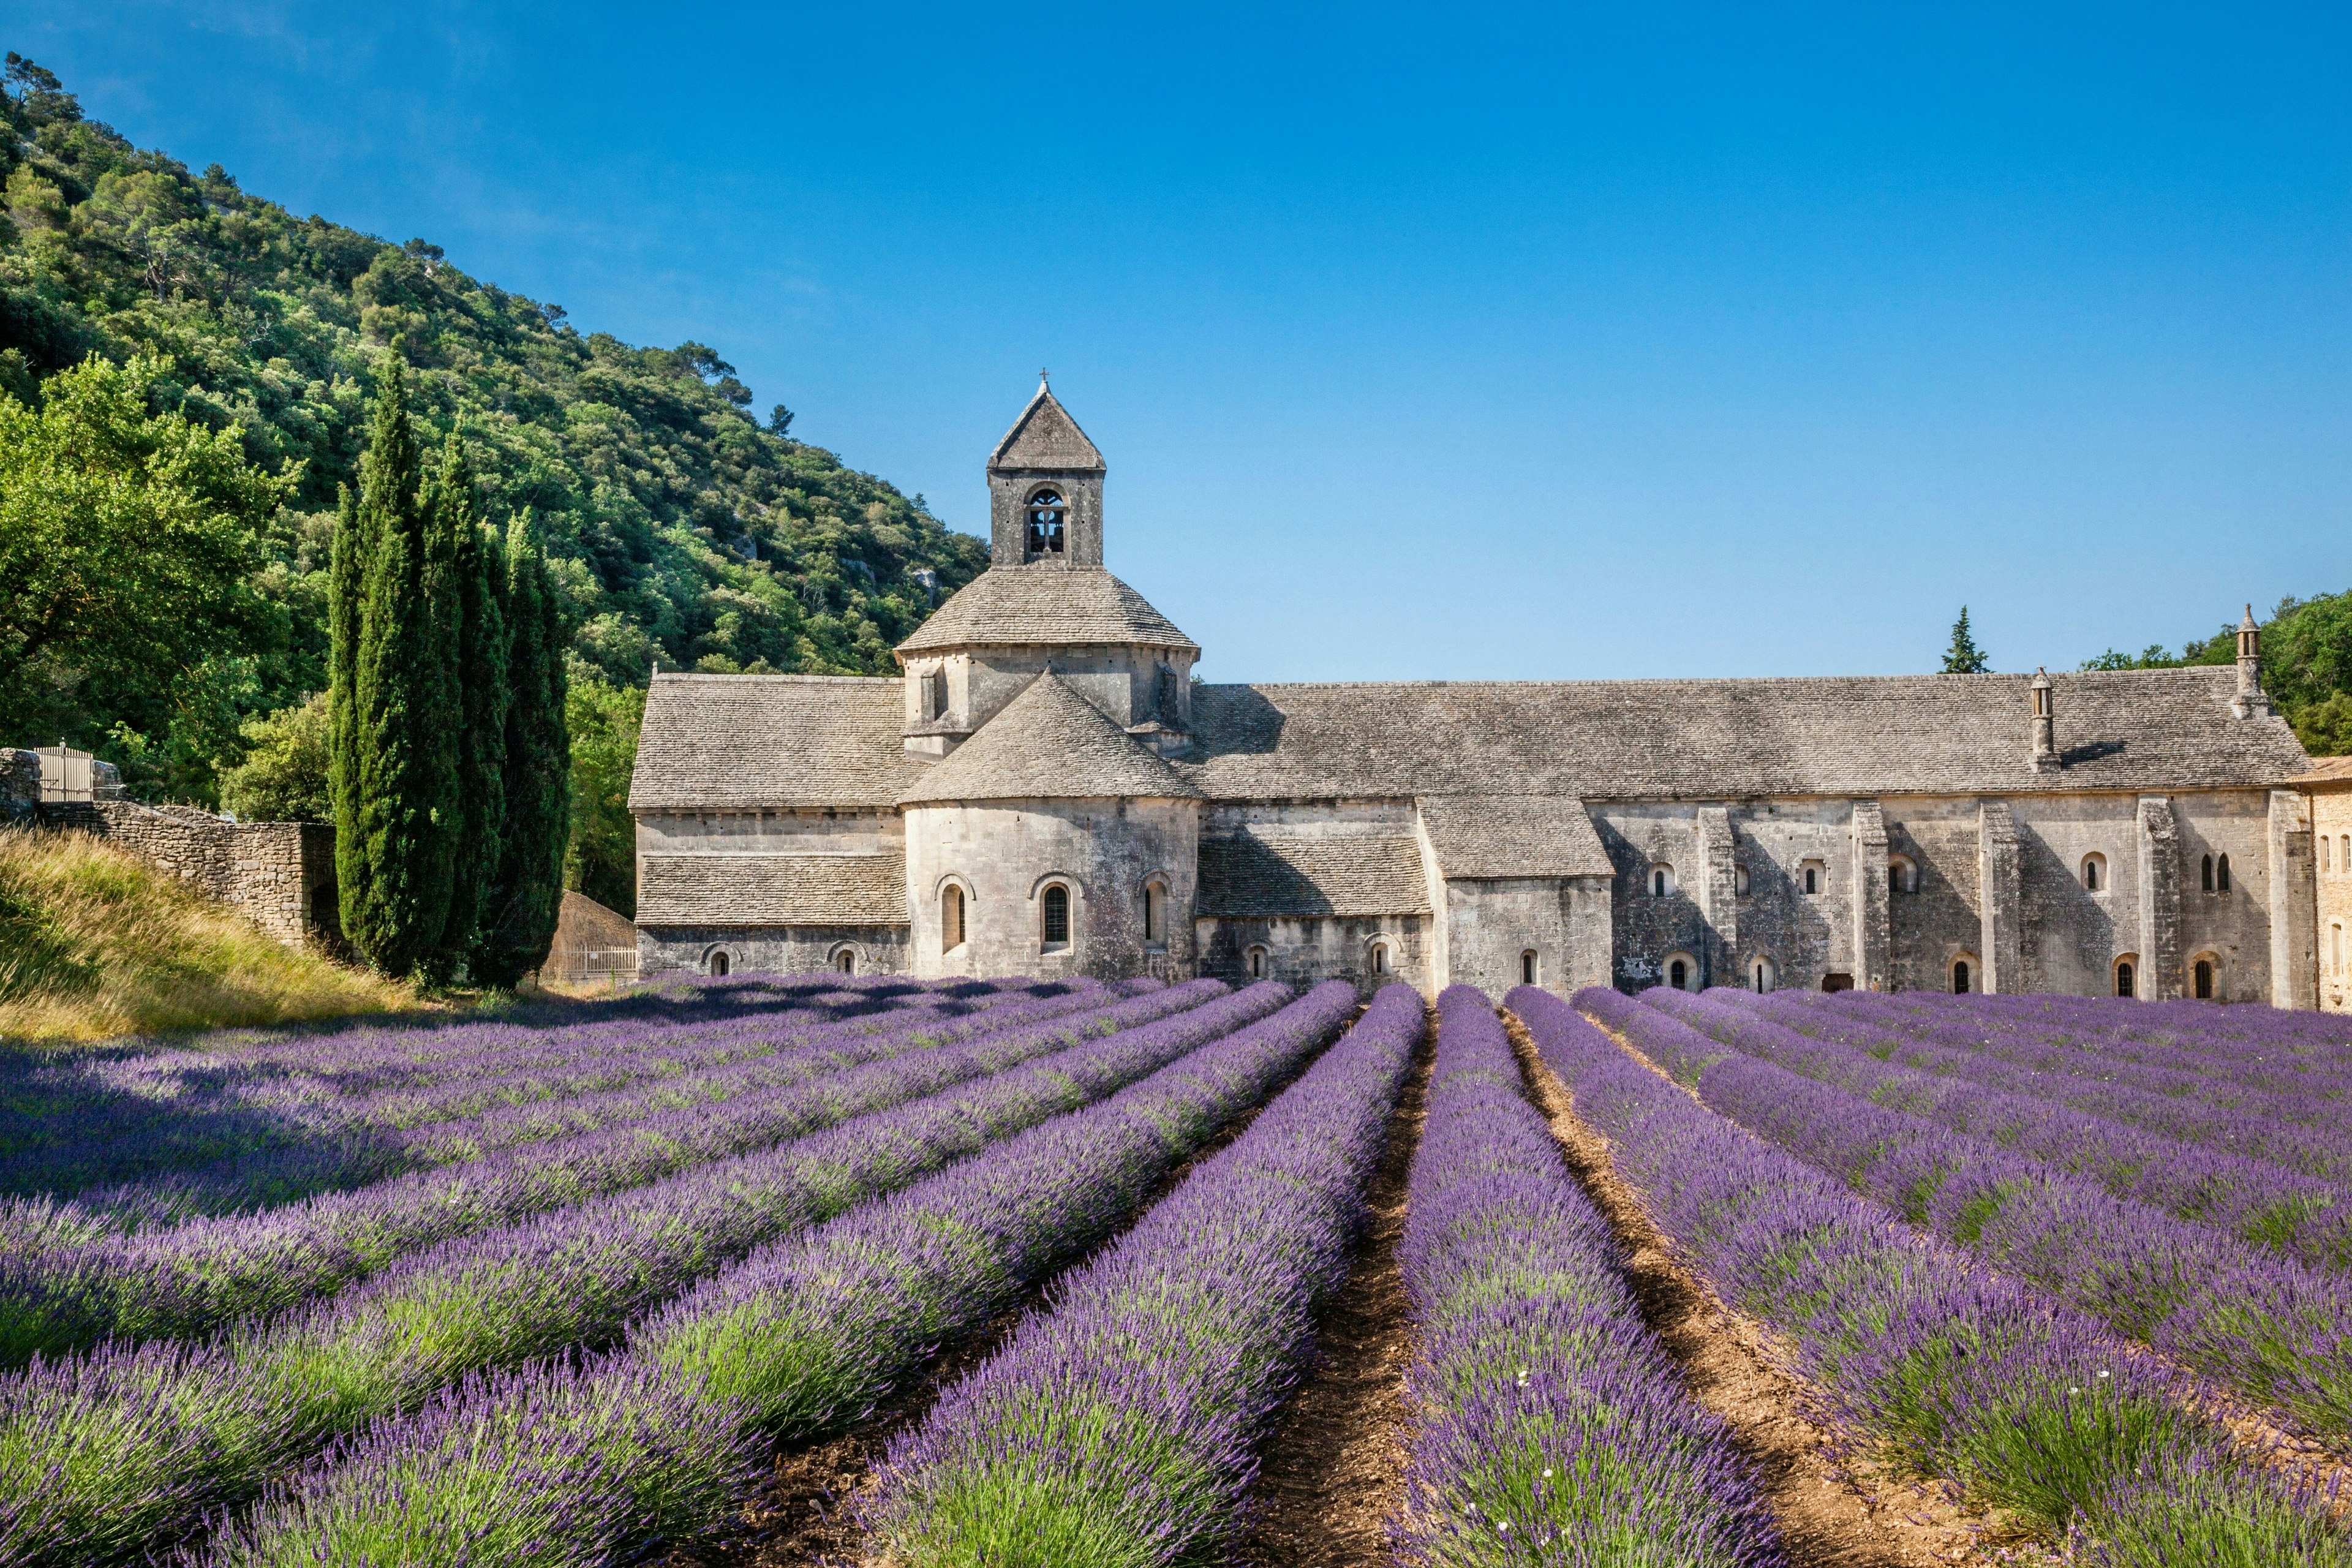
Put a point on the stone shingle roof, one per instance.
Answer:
(1266, 873)
(2325, 771)
(734, 743)
(1617, 739)
(1046, 436)
(1049, 604)
(752, 890)
(1495, 836)
(1048, 744)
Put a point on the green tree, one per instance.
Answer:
(286, 767)
(397, 811)
(530, 895)
(127, 542)
(1964, 657)
(482, 648)
(604, 719)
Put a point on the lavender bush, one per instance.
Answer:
(2020, 1401)
(1551, 1426)
(1119, 1427)
(800, 1336)
(214, 1421)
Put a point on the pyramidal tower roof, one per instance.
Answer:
(1046, 436)
(1049, 743)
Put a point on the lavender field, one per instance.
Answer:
(1074, 1273)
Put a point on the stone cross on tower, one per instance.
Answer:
(1044, 489)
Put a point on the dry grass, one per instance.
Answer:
(94, 944)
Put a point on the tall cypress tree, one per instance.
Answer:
(481, 648)
(397, 799)
(346, 576)
(539, 767)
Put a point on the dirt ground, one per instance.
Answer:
(1836, 1509)
(1332, 1470)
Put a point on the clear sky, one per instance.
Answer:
(1623, 341)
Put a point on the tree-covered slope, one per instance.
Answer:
(680, 525)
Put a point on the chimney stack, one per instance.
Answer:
(2251, 702)
(2045, 723)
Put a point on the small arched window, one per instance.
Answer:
(1963, 978)
(2202, 972)
(2323, 842)
(2094, 873)
(1058, 915)
(950, 917)
(2222, 875)
(1761, 975)
(1901, 876)
(1678, 975)
(716, 962)
(1662, 879)
(1257, 961)
(845, 959)
(2208, 873)
(1048, 513)
(2336, 943)
(1530, 970)
(2127, 981)
(1155, 913)
(1379, 958)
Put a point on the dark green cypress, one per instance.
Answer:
(480, 672)
(396, 853)
(346, 580)
(538, 766)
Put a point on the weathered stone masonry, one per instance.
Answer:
(1046, 757)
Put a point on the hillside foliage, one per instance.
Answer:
(2306, 666)
(678, 525)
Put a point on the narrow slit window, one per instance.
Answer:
(2222, 875)
(1812, 880)
(1526, 968)
(2209, 874)
(1379, 958)
(1258, 964)
(1154, 915)
(952, 916)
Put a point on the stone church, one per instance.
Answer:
(1046, 790)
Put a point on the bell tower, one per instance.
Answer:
(1044, 490)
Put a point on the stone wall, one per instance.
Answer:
(20, 787)
(279, 875)
(793, 950)
(2331, 816)
(1304, 950)
(1492, 925)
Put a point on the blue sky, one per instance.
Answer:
(1627, 341)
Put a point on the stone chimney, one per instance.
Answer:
(2251, 702)
(2045, 723)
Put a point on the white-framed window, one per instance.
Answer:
(1661, 880)
(1680, 970)
(2095, 872)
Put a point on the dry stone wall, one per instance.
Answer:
(279, 875)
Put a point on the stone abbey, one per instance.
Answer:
(1046, 790)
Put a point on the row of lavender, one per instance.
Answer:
(104, 1454)
(2272, 1328)
(100, 1118)
(590, 1459)
(2017, 1399)
(1551, 1426)
(207, 1274)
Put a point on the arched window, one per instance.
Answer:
(1901, 876)
(2336, 943)
(1048, 513)
(1811, 875)
(1662, 879)
(1058, 915)
(1760, 974)
(2324, 843)
(2203, 972)
(2208, 873)
(1379, 958)
(950, 917)
(1678, 974)
(2344, 852)
(1155, 913)
(1530, 971)
(845, 959)
(2221, 874)
(716, 963)
(1963, 977)
(2127, 978)
(1257, 961)
(2094, 873)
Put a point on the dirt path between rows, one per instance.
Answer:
(1332, 1472)
(1835, 1509)
(804, 1514)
